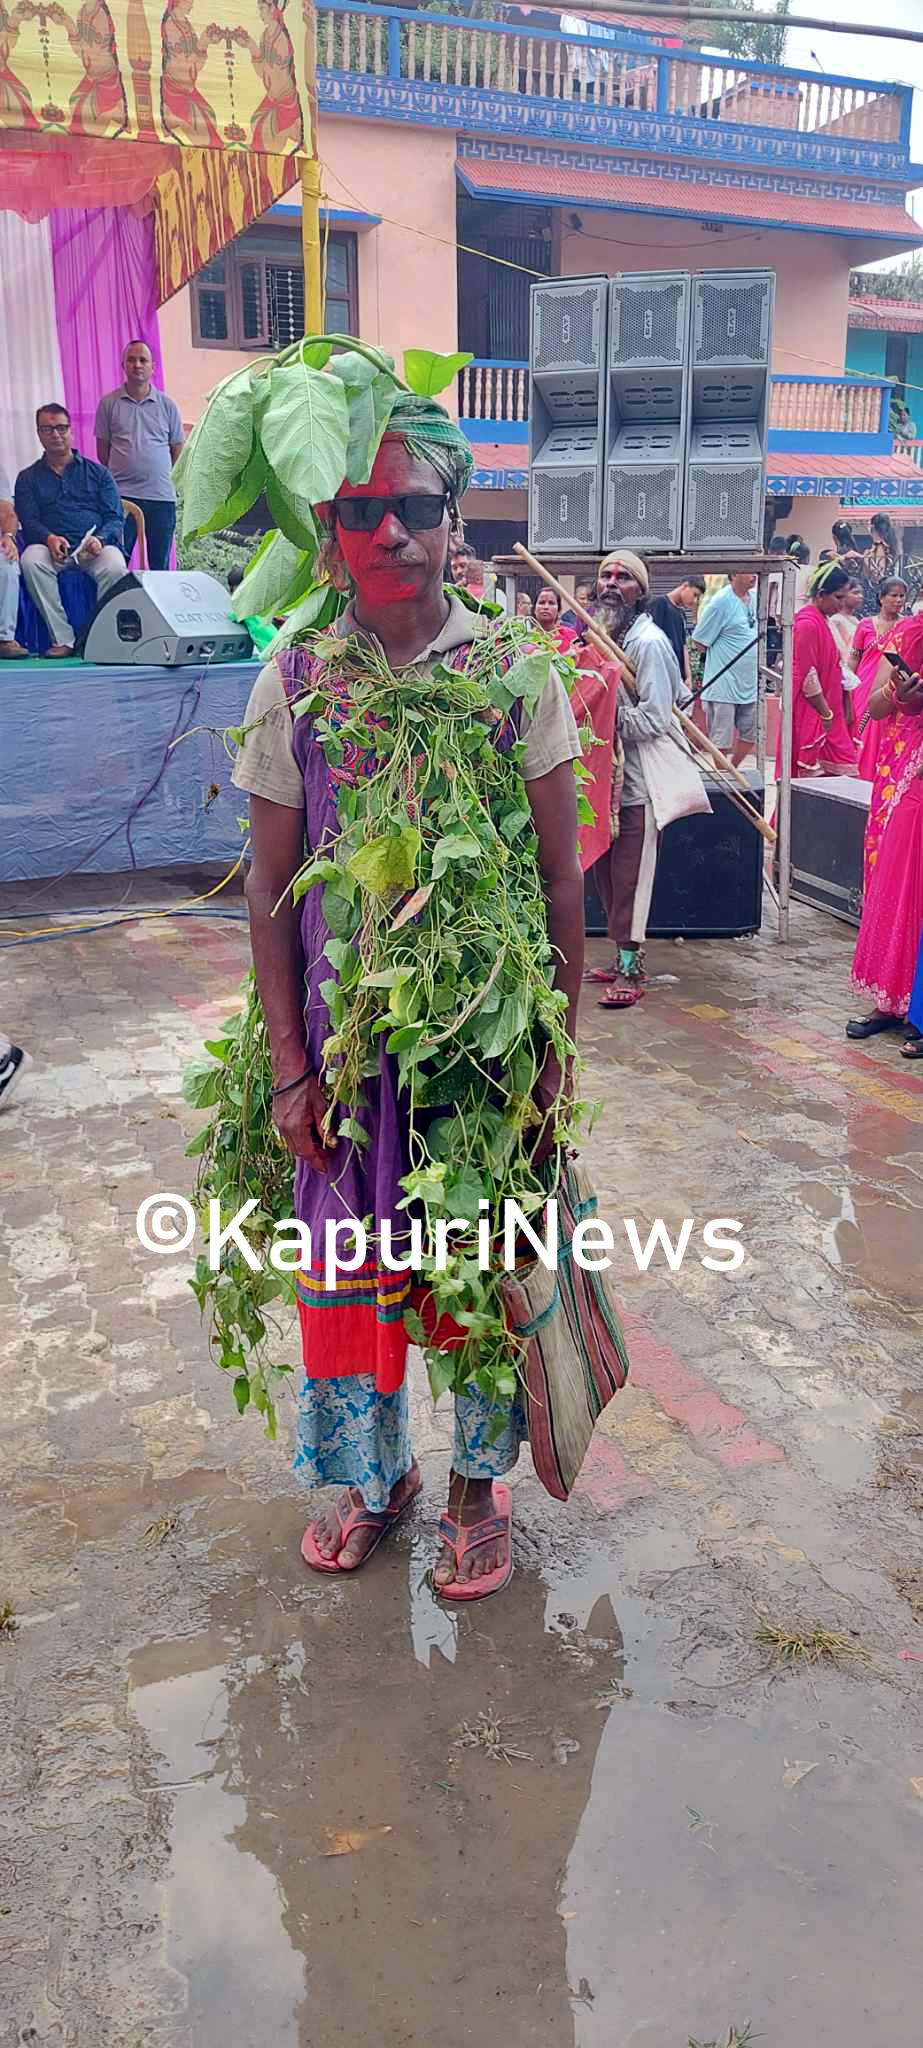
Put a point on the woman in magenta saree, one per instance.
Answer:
(872, 640)
(821, 740)
(892, 915)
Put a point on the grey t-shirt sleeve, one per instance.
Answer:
(6, 488)
(550, 734)
(175, 423)
(266, 764)
(103, 426)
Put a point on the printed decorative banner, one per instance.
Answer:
(136, 71)
(203, 201)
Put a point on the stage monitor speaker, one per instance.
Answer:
(567, 364)
(163, 618)
(829, 817)
(709, 881)
(646, 390)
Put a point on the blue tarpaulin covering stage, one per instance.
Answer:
(89, 781)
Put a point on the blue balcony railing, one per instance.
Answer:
(845, 414)
(605, 69)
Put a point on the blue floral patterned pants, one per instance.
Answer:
(350, 1435)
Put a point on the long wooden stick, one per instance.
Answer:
(700, 740)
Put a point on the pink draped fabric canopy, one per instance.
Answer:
(105, 296)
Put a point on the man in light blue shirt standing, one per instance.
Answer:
(139, 434)
(726, 628)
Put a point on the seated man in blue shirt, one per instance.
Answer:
(59, 500)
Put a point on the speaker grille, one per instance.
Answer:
(724, 505)
(731, 321)
(642, 504)
(567, 328)
(563, 508)
(648, 323)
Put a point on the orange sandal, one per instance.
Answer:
(351, 1516)
(462, 1537)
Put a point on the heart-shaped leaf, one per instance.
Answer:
(369, 412)
(269, 574)
(240, 500)
(293, 515)
(213, 462)
(428, 373)
(304, 431)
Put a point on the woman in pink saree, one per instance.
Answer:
(892, 914)
(872, 638)
(821, 740)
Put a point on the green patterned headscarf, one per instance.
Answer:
(427, 432)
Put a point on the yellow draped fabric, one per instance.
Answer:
(131, 70)
(144, 104)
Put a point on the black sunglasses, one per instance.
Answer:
(418, 511)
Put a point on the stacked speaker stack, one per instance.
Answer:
(648, 407)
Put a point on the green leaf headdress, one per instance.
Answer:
(295, 427)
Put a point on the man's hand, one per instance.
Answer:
(90, 548)
(8, 548)
(298, 1117)
(58, 547)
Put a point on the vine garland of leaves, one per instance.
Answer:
(439, 953)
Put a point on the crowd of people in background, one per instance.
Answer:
(68, 511)
(854, 714)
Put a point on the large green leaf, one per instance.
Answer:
(378, 356)
(369, 413)
(293, 516)
(304, 431)
(213, 464)
(303, 580)
(428, 373)
(354, 370)
(317, 608)
(268, 576)
(241, 498)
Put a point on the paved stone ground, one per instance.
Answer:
(239, 1805)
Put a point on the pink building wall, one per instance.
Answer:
(406, 269)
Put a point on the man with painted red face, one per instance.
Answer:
(386, 544)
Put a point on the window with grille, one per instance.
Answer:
(252, 296)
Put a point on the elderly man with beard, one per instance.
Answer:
(624, 876)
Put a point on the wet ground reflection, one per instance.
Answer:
(346, 1850)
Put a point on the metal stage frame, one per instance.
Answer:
(665, 572)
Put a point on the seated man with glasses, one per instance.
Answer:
(71, 514)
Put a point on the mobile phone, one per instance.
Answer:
(903, 667)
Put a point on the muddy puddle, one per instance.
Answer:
(571, 1819)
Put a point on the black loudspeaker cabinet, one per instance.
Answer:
(829, 817)
(709, 876)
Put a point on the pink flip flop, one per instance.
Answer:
(601, 973)
(622, 998)
(462, 1537)
(351, 1517)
